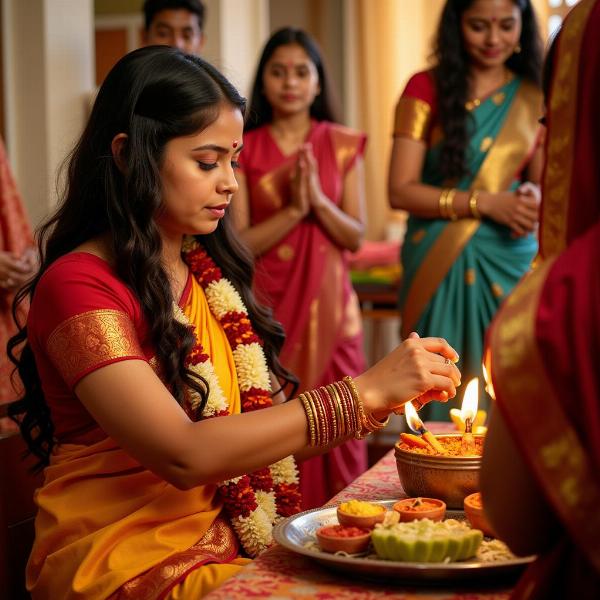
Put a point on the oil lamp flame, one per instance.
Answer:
(412, 418)
(468, 409)
(489, 387)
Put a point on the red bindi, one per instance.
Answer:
(235, 143)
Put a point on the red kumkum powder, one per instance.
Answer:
(343, 531)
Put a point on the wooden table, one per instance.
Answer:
(281, 574)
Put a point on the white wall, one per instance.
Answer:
(49, 74)
(49, 77)
(235, 33)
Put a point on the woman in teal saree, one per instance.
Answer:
(465, 164)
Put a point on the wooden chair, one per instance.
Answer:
(17, 513)
(378, 304)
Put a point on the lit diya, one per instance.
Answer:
(426, 437)
(469, 409)
(449, 474)
(449, 477)
(468, 412)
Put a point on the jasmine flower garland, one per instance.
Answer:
(255, 502)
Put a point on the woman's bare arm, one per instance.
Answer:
(132, 406)
(517, 211)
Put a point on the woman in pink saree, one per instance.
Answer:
(300, 210)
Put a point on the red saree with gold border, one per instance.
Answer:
(106, 526)
(544, 343)
(304, 277)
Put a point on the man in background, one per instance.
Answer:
(177, 23)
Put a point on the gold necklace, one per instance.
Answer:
(497, 98)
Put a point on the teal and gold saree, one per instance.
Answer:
(457, 273)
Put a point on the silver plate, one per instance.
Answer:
(295, 531)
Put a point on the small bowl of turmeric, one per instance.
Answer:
(358, 513)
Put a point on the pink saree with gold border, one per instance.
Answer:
(304, 278)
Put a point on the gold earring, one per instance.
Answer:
(517, 49)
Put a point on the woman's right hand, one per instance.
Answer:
(518, 210)
(299, 197)
(420, 368)
(14, 271)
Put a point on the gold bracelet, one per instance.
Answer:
(319, 425)
(358, 407)
(473, 204)
(339, 424)
(345, 398)
(309, 418)
(450, 205)
(444, 203)
(373, 425)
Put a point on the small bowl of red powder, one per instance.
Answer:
(343, 538)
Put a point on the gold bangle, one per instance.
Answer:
(473, 204)
(359, 408)
(450, 205)
(339, 425)
(334, 422)
(373, 425)
(310, 419)
(319, 426)
(347, 404)
(443, 202)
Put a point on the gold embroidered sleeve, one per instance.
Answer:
(90, 340)
(347, 144)
(413, 119)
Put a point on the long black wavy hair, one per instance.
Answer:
(153, 95)
(324, 107)
(451, 73)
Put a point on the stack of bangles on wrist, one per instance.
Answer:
(335, 411)
(447, 204)
(473, 204)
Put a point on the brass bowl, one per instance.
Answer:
(449, 478)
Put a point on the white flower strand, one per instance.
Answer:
(251, 367)
(216, 402)
(284, 471)
(223, 298)
(255, 530)
(266, 501)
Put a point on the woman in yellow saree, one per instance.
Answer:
(465, 141)
(146, 358)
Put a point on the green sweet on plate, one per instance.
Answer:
(426, 541)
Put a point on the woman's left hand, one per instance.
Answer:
(528, 211)
(315, 193)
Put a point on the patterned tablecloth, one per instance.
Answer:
(280, 574)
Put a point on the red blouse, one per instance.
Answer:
(82, 317)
